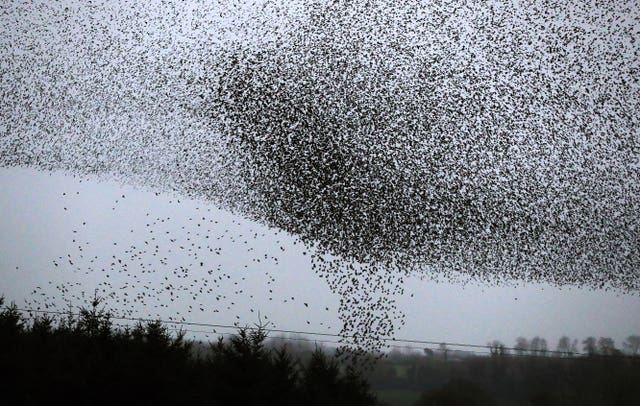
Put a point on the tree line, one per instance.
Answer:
(85, 359)
(567, 347)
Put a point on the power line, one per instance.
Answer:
(517, 351)
(467, 352)
(199, 324)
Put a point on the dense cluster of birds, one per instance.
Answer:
(496, 140)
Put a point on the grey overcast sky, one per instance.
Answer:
(36, 230)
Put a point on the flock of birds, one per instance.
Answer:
(494, 140)
(203, 267)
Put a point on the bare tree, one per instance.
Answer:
(497, 348)
(564, 346)
(589, 345)
(606, 346)
(632, 345)
(538, 346)
(522, 346)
